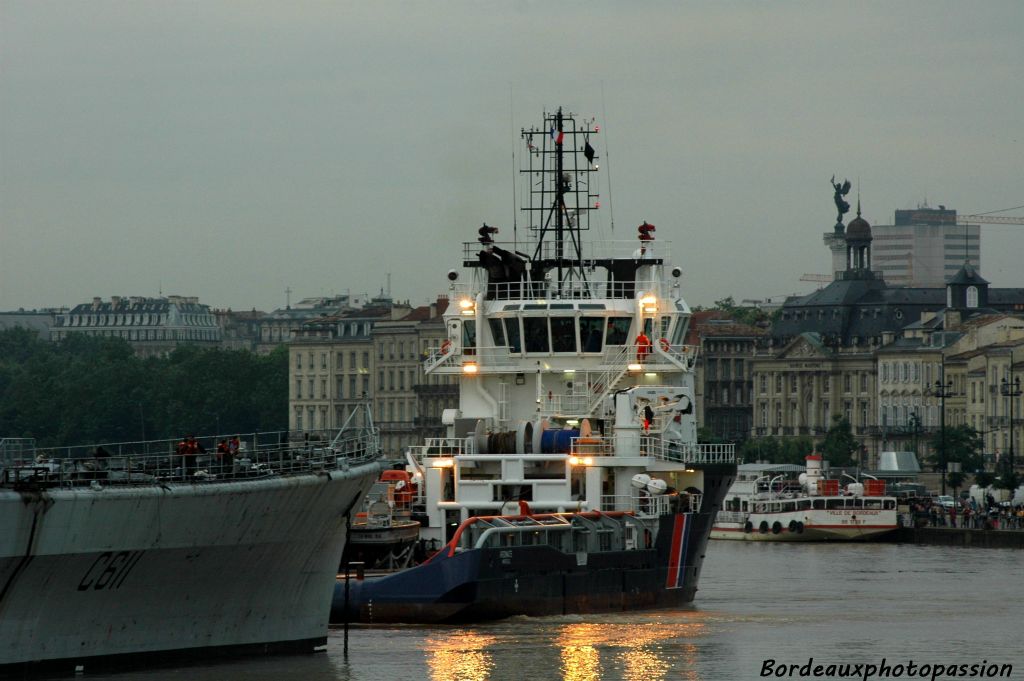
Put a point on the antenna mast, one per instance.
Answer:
(560, 197)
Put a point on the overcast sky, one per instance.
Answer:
(231, 150)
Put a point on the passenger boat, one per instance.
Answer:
(385, 535)
(122, 554)
(766, 504)
(570, 479)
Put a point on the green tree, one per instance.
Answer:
(962, 444)
(839, 444)
(88, 389)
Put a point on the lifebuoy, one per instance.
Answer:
(749, 527)
(776, 527)
(445, 347)
(664, 344)
(763, 527)
(792, 526)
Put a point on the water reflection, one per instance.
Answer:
(644, 650)
(581, 660)
(461, 656)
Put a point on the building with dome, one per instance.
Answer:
(821, 359)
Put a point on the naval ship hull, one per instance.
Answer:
(494, 583)
(97, 577)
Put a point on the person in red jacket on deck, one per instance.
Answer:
(643, 347)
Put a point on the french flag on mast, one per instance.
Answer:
(557, 136)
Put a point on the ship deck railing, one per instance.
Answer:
(533, 292)
(731, 516)
(588, 531)
(652, 505)
(603, 368)
(157, 461)
(592, 250)
(700, 453)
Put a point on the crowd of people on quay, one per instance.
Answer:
(964, 513)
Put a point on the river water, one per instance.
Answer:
(836, 603)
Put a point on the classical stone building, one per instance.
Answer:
(373, 356)
(153, 326)
(724, 373)
(332, 366)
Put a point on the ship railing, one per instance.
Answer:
(592, 446)
(614, 360)
(158, 461)
(14, 449)
(731, 517)
(644, 504)
(596, 249)
(682, 452)
(443, 448)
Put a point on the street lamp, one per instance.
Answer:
(942, 390)
(1012, 390)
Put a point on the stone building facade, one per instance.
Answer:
(153, 326)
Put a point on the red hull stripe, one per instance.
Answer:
(677, 554)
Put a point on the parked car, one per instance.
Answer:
(945, 501)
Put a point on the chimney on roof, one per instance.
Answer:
(115, 301)
(96, 302)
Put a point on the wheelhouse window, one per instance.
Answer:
(535, 329)
(617, 331)
(469, 336)
(590, 333)
(512, 333)
(498, 331)
(563, 334)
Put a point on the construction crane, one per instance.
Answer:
(989, 220)
(818, 278)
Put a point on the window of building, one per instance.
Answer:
(298, 360)
(972, 296)
(323, 388)
(298, 389)
(864, 382)
(764, 384)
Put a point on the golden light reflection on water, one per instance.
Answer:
(461, 656)
(643, 656)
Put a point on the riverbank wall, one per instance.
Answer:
(955, 536)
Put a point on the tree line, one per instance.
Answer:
(90, 389)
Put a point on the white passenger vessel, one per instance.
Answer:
(766, 503)
(570, 479)
(122, 553)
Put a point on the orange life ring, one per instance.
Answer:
(664, 344)
(445, 347)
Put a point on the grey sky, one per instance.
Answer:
(229, 150)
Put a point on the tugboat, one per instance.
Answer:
(570, 479)
(766, 504)
(126, 553)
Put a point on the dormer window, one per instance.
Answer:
(972, 296)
